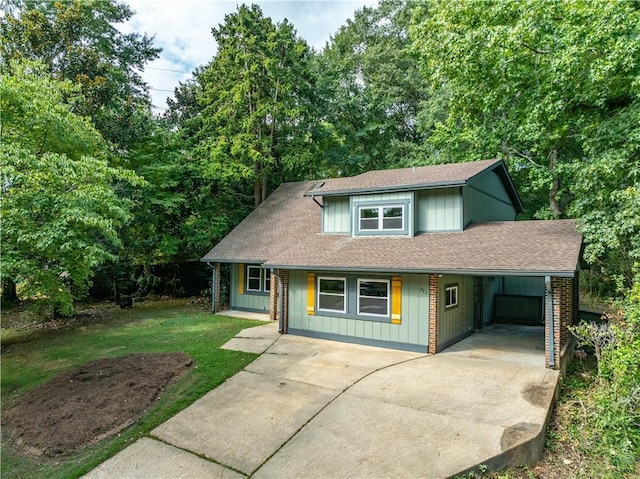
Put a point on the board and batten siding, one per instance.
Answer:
(413, 330)
(456, 322)
(336, 218)
(439, 210)
(240, 299)
(486, 199)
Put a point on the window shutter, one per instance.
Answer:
(311, 294)
(241, 278)
(396, 300)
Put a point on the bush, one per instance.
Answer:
(615, 414)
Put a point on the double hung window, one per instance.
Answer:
(381, 218)
(332, 294)
(258, 279)
(373, 297)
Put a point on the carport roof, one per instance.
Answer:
(285, 232)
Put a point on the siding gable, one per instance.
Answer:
(487, 199)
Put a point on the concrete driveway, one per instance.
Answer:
(315, 408)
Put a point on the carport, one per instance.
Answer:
(527, 310)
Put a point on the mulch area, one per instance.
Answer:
(90, 403)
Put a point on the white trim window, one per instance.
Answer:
(254, 278)
(381, 218)
(450, 296)
(373, 297)
(257, 279)
(332, 294)
(266, 283)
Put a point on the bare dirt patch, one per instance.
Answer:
(90, 403)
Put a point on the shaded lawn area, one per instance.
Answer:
(32, 356)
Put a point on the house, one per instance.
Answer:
(414, 258)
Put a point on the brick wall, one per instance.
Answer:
(433, 314)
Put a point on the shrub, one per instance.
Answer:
(615, 418)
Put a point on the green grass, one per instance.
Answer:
(31, 358)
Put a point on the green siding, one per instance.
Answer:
(455, 322)
(401, 196)
(524, 285)
(439, 210)
(486, 199)
(414, 328)
(335, 215)
(247, 301)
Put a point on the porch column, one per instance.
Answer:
(273, 296)
(433, 314)
(560, 313)
(215, 287)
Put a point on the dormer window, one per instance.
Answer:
(374, 218)
(382, 218)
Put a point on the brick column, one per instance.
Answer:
(273, 297)
(433, 314)
(285, 301)
(565, 297)
(216, 294)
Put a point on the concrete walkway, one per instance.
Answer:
(318, 409)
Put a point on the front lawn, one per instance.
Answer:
(33, 355)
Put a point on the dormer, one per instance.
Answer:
(410, 201)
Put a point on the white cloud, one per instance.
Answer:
(182, 28)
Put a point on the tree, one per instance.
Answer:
(60, 206)
(255, 122)
(77, 40)
(374, 93)
(528, 81)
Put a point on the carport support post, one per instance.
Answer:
(550, 346)
(215, 285)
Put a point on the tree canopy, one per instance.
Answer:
(60, 207)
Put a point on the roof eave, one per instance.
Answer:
(385, 189)
(469, 272)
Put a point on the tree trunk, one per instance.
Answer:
(9, 292)
(554, 204)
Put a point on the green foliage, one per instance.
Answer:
(615, 414)
(60, 208)
(254, 123)
(77, 40)
(530, 82)
(373, 94)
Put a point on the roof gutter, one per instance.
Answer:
(473, 272)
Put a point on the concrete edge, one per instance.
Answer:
(526, 453)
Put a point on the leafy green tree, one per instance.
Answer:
(374, 93)
(256, 117)
(529, 81)
(60, 206)
(78, 40)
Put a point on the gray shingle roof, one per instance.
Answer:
(285, 232)
(451, 174)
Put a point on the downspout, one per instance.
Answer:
(280, 300)
(549, 301)
(213, 286)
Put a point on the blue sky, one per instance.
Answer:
(182, 28)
